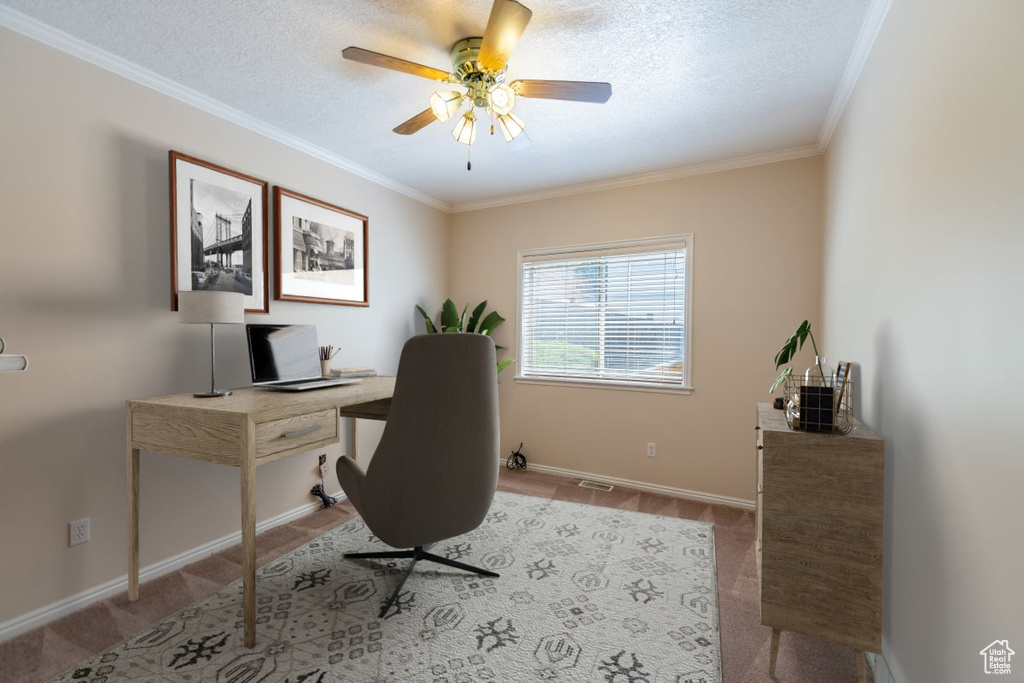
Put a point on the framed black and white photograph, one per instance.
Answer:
(219, 232)
(321, 251)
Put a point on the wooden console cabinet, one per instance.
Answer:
(819, 534)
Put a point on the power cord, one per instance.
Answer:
(517, 461)
(318, 490)
(327, 501)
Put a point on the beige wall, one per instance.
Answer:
(757, 250)
(84, 292)
(923, 286)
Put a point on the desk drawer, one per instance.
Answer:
(296, 432)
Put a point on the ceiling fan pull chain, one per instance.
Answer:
(469, 158)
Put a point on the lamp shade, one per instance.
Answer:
(465, 129)
(211, 307)
(445, 104)
(511, 126)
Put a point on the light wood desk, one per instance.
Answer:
(247, 429)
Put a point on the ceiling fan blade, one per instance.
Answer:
(504, 28)
(358, 54)
(576, 91)
(416, 123)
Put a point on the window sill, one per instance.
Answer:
(604, 384)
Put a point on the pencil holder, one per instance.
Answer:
(325, 368)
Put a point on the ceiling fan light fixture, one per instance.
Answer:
(503, 99)
(465, 129)
(445, 104)
(511, 126)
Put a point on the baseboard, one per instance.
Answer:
(880, 670)
(36, 618)
(698, 496)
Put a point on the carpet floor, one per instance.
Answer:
(51, 649)
(585, 594)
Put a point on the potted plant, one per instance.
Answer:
(451, 321)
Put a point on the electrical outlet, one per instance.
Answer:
(652, 449)
(324, 467)
(78, 531)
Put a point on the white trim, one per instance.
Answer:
(604, 384)
(641, 243)
(698, 496)
(55, 610)
(76, 47)
(880, 670)
(642, 178)
(858, 58)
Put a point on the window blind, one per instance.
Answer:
(614, 314)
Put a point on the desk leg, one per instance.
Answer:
(248, 470)
(354, 441)
(133, 523)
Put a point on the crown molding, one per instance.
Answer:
(858, 58)
(643, 178)
(76, 47)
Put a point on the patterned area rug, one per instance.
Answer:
(586, 594)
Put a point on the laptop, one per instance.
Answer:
(287, 358)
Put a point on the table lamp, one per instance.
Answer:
(211, 307)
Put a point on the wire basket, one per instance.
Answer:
(812, 404)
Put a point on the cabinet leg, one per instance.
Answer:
(774, 652)
(858, 656)
(133, 522)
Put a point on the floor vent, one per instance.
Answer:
(596, 485)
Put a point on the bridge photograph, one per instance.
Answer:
(221, 238)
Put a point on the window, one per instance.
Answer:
(615, 314)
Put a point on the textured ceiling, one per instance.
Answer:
(692, 81)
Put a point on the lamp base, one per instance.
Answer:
(212, 394)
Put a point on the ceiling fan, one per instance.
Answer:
(478, 66)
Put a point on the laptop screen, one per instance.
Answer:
(282, 352)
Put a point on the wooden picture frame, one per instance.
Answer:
(321, 251)
(219, 231)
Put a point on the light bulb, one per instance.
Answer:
(503, 99)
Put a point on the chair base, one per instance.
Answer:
(416, 554)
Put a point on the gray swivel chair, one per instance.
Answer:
(435, 470)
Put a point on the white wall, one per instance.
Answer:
(923, 287)
(756, 276)
(85, 293)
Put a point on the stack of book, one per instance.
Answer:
(353, 372)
